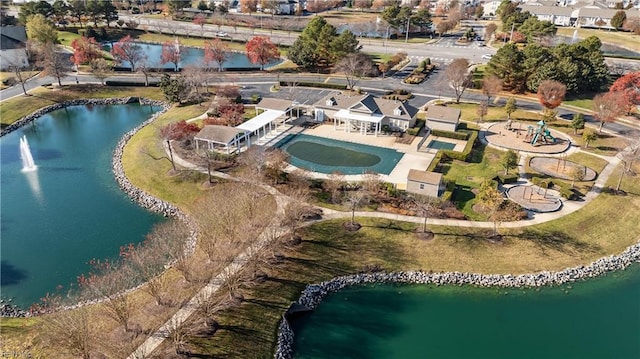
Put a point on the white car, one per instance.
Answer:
(222, 34)
(487, 56)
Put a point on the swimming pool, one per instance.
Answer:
(441, 145)
(324, 155)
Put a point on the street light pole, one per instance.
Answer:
(406, 38)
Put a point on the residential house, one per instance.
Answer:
(425, 183)
(443, 118)
(365, 113)
(557, 15)
(13, 47)
(490, 8)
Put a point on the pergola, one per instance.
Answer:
(362, 122)
(223, 138)
(261, 123)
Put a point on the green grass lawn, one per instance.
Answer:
(13, 109)
(66, 37)
(620, 38)
(147, 165)
(249, 331)
(468, 113)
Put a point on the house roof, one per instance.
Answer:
(548, 10)
(424, 176)
(369, 104)
(443, 114)
(261, 120)
(274, 104)
(219, 134)
(12, 37)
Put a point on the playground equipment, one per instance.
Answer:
(541, 134)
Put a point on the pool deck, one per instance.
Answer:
(412, 159)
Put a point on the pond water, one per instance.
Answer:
(192, 56)
(598, 318)
(70, 210)
(324, 155)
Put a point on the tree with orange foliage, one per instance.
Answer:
(216, 51)
(551, 93)
(260, 50)
(607, 107)
(127, 50)
(84, 50)
(171, 53)
(628, 88)
(249, 6)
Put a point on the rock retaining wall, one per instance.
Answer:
(136, 194)
(313, 294)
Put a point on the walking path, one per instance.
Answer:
(156, 339)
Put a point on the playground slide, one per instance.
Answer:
(547, 135)
(535, 138)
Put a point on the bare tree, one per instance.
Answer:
(276, 165)
(71, 330)
(628, 156)
(53, 63)
(19, 70)
(607, 108)
(491, 86)
(297, 211)
(425, 205)
(253, 162)
(459, 77)
(333, 184)
(100, 69)
(109, 283)
(355, 198)
(354, 67)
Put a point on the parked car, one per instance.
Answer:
(222, 34)
(487, 56)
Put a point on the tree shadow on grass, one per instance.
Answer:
(556, 240)
(470, 239)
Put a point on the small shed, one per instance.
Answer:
(425, 183)
(221, 138)
(443, 118)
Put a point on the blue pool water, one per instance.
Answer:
(324, 155)
(441, 145)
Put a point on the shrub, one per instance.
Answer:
(255, 98)
(435, 162)
(506, 179)
(448, 192)
(458, 135)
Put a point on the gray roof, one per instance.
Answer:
(548, 10)
(12, 37)
(369, 104)
(218, 134)
(443, 114)
(274, 104)
(424, 176)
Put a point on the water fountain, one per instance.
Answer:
(25, 153)
(574, 37)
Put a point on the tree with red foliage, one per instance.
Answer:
(177, 131)
(84, 50)
(607, 107)
(200, 20)
(127, 50)
(551, 93)
(628, 88)
(226, 113)
(261, 50)
(216, 51)
(171, 53)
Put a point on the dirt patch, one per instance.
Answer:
(424, 236)
(351, 227)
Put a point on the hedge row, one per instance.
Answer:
(449, 134)
(448, 192)
(416, 128)
(316, 84)
(464, 155)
